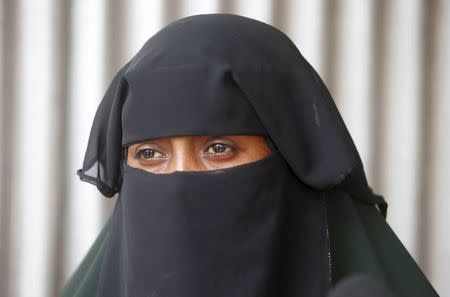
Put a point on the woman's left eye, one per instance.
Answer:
(218, 148)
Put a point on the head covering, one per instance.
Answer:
(256, 229)
(218, 67)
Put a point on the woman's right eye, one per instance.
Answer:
(148, 153)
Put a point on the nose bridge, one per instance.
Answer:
(183, 155)
(184, 161)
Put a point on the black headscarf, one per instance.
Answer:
(257, 229)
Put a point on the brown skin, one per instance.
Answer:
(196, 153)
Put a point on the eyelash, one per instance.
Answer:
(138, 155)
(228, 148)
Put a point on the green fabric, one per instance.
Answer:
(83, 282)
(363, 242)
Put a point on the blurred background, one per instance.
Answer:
(386, 64)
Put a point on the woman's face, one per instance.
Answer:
(196, 153)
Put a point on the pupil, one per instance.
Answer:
(148, 153)
(219, 148)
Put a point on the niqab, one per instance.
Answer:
(257, 229)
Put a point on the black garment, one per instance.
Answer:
(360, 286)
(258, 229)
(213, 233)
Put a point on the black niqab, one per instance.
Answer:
(258, 229)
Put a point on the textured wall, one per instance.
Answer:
(386, 64)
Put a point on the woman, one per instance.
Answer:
(236, 176)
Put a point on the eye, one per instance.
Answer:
(148, 153)
(218, 148)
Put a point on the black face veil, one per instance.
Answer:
(258, 229)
